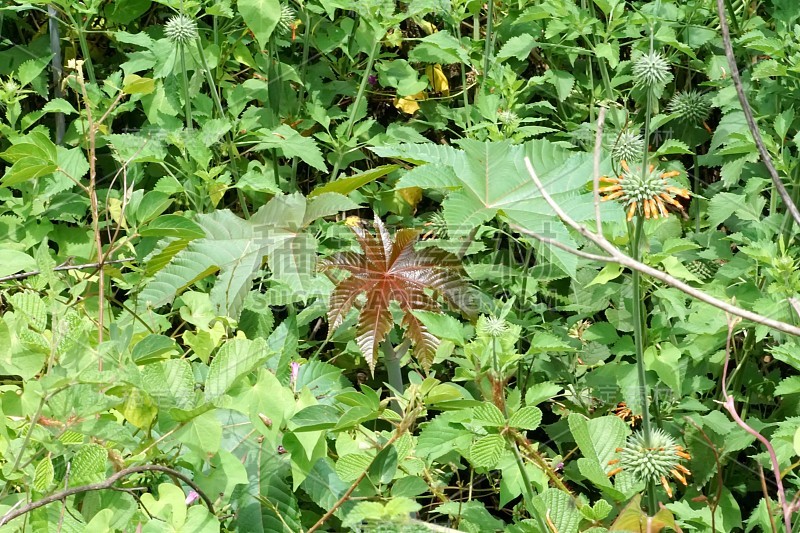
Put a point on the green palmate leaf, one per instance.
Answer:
(486, 451)
(234, 359)
(261, 16)
(391, 270)
(527, 418)
(598, 438)
(236, 248)
(490, 179)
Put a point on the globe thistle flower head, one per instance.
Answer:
(651, 70)
(508, 118)
(180, 29)
(643, 194)
(491, 326)
(629, 146)
(690, 106)
(655, 461)
(287, 20)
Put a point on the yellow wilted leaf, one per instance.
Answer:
(438, 79)
(410, 195)
(115, 210)
(408, 104)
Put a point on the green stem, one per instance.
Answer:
(87, 58)
(391, 358)
(233, 153)
(638, 337)
(354, 106)
(187, 102)
(301, 96)
(487, 52)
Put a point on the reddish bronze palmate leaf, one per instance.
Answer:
(392, 270)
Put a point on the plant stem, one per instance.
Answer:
(354, 107)
(58, 70)
(638, 337)
(391, 358)
(487, 51)
(187, 102)
(233, 153)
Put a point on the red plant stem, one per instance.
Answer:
(787, 510)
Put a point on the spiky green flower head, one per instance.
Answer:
(629, 146)
(651, 70)
(8, 91)
(180, 29)
(508, 118)
(655, 461)
(287, 20)
(491, 326)
(643, 194)
(691, 106)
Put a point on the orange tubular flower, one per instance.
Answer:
(644, 195)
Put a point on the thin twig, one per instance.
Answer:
(60, 268)
(408, 420)
(729, 406)
(748, 115)
(103, 485)
(627, 261)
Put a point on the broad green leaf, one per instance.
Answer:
(489, 414)
(561, 510)
(351, 183)
(609, 272)
(292, 144)
(88, 465)
(598, 438)
(234, 359)
(261, 16)
(202, 434)
(352, 465)
(170, 383)
(236, 248)
(172, 226)
(486, 451)
(527, 418)
(518, 47)
(439, 47)
(135, 84)
(314, 418)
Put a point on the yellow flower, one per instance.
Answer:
(644, 195)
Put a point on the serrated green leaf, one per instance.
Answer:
(88, 465)
(489, 414)
(486, 451)
(352, 465)
(234, 359)
(43, 474)
(527, 418)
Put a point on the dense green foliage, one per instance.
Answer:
(282, 266)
